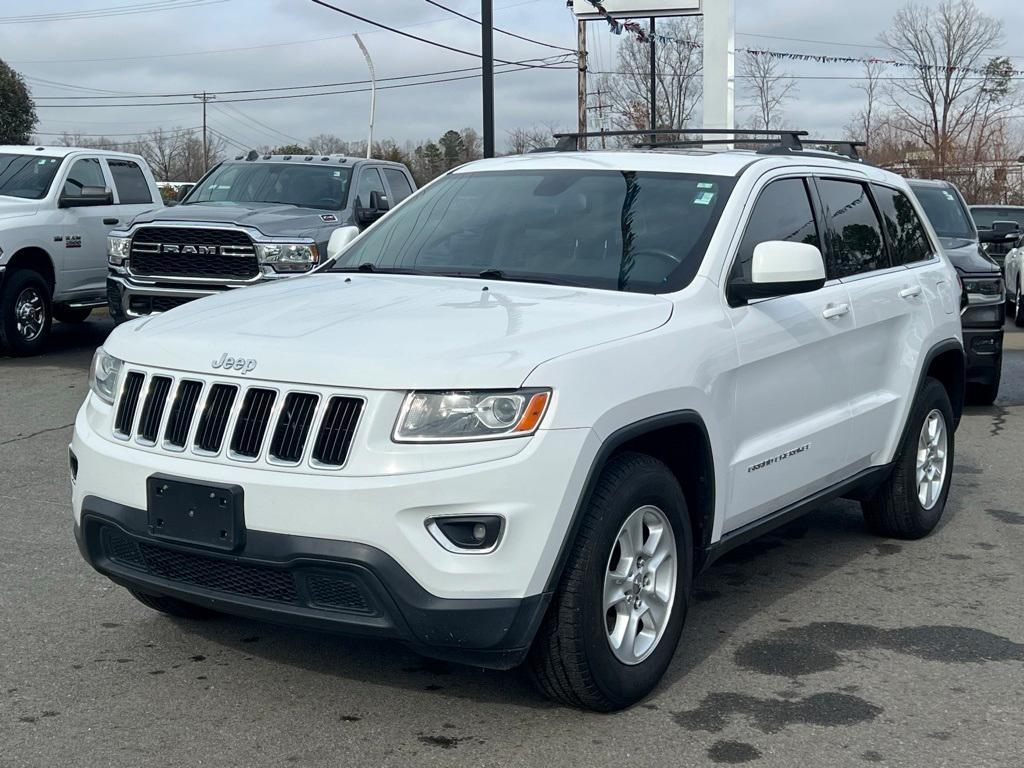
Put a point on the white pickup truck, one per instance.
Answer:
(56, 206)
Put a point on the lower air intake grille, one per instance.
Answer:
(336, 431)
(214, 420)
(237, 578)
(293, 427)
(153, 408)
(129, 403)
(328, 591)
(122, 549)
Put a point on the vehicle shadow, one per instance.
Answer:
(749, 581)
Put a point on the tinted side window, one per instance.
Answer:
(907, 235)
(369, 181)
(852, 228)
(84, 173)
(130, 182)
(782, 212)
(400, 186)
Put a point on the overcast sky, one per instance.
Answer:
(295, 42)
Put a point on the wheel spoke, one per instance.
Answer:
(614, 590)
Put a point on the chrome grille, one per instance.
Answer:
(237, 421)
(153, 408)
(293, 427)
(196, 252)
(125, 419)
(180, 421)
(214, 421)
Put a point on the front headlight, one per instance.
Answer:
(118, 249)
(447, 417)
(288, 257)
(984, 290)
(103, 375)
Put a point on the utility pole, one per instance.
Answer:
(654, 83)
(487, 49)
(205, 98)
(373, 93)
(581, 80)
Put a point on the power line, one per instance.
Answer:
(405, 34)
(303, 95)
(263, 128)
(103, 13)
(832, 42)
(139, 134)
(499, 29)
(543, 61)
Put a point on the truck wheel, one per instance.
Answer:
(172, 606)
(614, 623)
(25, 313)
(910, 502)
(65, 314)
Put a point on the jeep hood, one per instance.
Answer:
(272, 219)
(388, 331)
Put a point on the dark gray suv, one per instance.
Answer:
(249, 220)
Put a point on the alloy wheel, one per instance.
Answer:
(932, 447)
(29, 314)
(640, 584)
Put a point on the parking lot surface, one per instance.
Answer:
(819, 645)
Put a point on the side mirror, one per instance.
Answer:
(89, 196)
(780, 268)
(379, 205)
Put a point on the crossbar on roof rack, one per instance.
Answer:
(568, 142)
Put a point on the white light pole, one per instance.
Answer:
(373, 92)
(719, 64)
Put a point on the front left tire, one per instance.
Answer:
(25, 313)
(615, 621)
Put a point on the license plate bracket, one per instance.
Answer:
(206, 514)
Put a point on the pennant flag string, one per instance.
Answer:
(617, 27)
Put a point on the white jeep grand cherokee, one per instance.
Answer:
(518, 417)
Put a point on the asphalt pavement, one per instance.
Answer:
(819, 645)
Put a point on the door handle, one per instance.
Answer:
(835, 310)
(110, 222)
(910, 292)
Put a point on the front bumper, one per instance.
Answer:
(336, 586)
(984, 349)
(129, 299)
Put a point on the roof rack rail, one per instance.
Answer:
(570, 142)
(843, 147)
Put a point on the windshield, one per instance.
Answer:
(984, 217)
(618, 230)
(27, 176)
(945, 212)
(306, 186)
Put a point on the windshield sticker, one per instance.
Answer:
(949, 196)
(705, 185)
(704, 198)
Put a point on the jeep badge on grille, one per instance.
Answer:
(245, 365)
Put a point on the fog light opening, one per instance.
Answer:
(73, 465)
(467, 534)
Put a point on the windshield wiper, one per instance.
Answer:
(370, 267)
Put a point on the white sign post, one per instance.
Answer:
(719, 45)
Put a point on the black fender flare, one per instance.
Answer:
(613, 442)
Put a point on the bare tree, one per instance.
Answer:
(769, 86)
(944, 102)
(625, 93)
(863, 124)
(522, 140)
(328, 144)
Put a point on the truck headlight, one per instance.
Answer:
(118, 249)
(288, 257)
(103, 375)
(460, 416)
(984, 290)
